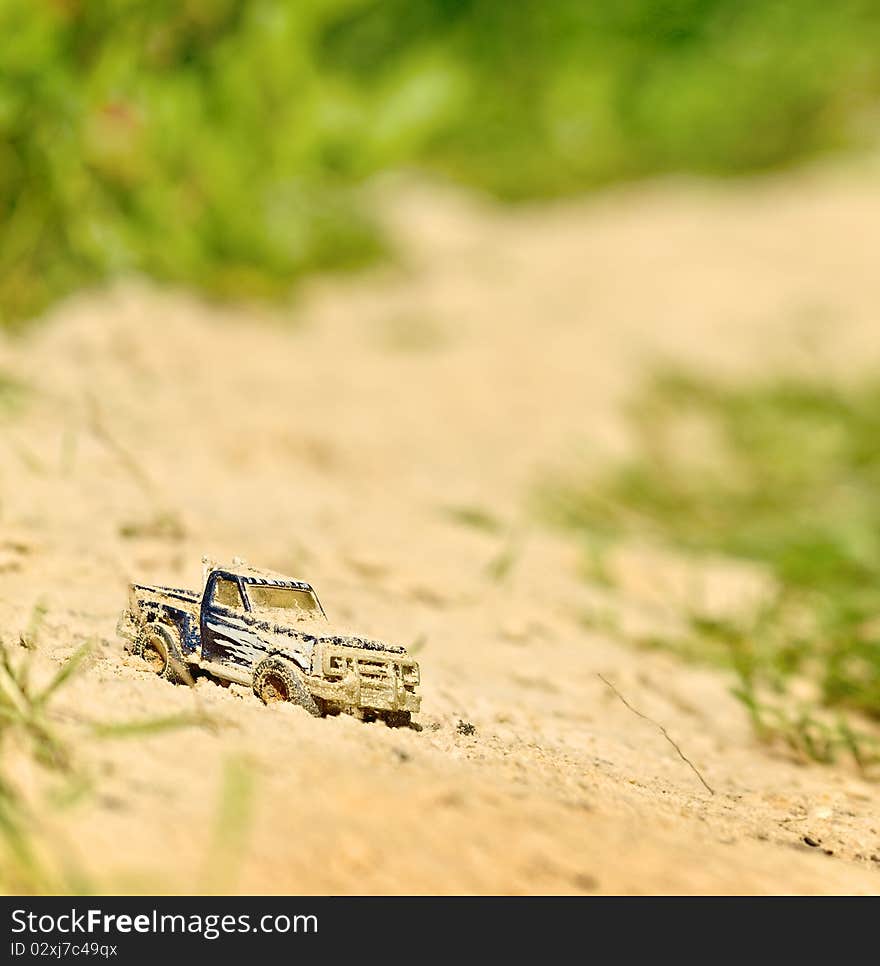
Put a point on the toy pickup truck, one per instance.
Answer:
(270, 633)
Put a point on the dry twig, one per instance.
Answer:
(663, 731)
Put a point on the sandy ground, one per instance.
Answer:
(328, 442)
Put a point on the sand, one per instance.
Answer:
(329, 440)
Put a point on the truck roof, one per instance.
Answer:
(254, 575)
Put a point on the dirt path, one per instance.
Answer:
(330, 444)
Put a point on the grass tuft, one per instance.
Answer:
(230, 838)
(12, 394)
(32, 861)
(147, 727)
(786, 474)
(24, 716)
(473, 517)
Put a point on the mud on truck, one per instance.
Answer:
(269, 633)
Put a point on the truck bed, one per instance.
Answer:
(166, 595)
(175, 604)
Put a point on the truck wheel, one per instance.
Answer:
(159, 647)
(398, 719)
(278, 680)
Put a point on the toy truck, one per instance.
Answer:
(270, 633)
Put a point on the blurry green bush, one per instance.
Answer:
(221, 143)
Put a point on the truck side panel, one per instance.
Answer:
(238, 641)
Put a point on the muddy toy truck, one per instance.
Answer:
(270, 633)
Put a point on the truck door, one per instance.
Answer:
(223, 628)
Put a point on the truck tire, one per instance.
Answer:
(398, 719)
(278, 680)
(159, 647)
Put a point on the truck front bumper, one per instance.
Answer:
(352, 678)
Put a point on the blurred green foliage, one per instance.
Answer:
(784, 473)
(222, 143)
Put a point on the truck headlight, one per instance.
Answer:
(410, 674)
(334, 665)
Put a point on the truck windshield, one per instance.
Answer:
(269, 597)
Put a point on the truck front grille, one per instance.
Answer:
(377, 671)
(373, 672)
